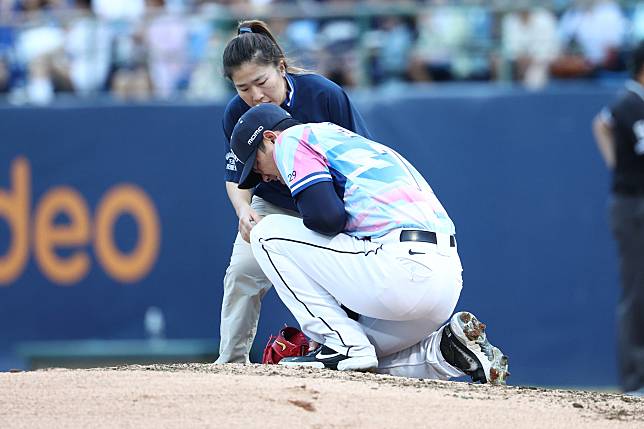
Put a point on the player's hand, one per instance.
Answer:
(248, 218)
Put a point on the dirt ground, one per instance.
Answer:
(260, 396)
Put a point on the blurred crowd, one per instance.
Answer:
(168, 49)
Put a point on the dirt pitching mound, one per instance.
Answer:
(261, 396)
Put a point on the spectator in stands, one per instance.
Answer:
(131, 78)
(390, 47)
(339, 38)
(480, 43)
(452, 43)
(300, 38)
(128, 77)
(205, 48)
(166, 36)
(7, 41)
(440, 34)
(119, 10)
(637, 24)
(87, 44)
(39, 46)
(529, 43)
(592, 34)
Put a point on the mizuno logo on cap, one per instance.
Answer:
(255, 134)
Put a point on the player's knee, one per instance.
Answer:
(269, 226)
(257, 233)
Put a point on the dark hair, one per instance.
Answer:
(286, 123)
(637, 59)
(254, 42)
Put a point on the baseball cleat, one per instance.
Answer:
(465, 346)
(324, 357)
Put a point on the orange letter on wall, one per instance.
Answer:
(48, 235)
(14, 208)
(127, 268)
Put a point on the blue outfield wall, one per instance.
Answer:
(106, 211)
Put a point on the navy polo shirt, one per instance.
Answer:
(311, 98)
(626, 117)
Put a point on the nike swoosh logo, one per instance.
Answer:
(323, 356)
(411, 252)
(282, 345)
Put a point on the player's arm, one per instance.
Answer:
(603, 132)
(321, 208)
(312, 187)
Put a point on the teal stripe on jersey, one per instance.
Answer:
(383, 191)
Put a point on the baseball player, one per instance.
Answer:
(374, 238)
(261, 73)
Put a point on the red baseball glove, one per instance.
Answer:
(289, 342)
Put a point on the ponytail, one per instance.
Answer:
(254, 42)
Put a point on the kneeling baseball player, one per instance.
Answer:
(373, 239)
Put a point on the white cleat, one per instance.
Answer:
(465, 346)
(324, 357)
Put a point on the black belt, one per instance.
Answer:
(424, 236)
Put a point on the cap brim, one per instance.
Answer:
(249, 179)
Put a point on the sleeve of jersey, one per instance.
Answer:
(301, 165)
(233, 167)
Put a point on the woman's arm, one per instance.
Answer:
(240, 199)
(605, 141)
(342, 112)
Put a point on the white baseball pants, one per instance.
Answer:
(404, 291)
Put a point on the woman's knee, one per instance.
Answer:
(243, 263)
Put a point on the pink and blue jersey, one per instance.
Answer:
(381, 190)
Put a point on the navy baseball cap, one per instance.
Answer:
(247, 135)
